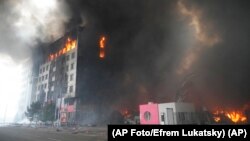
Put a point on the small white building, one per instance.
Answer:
(168, 113)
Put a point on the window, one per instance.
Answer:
(42, 78)
(67, 68)
(47, 67)
(44, 69)
(73, 55)
(53, 78)
(162, 117)
(40, 70)
(54, 68)
(66, 76)
(52, 88)
(71, 77)
(147, 115)
(46, 76)
(181, 117)
(45, 86)
(67, 58)
(39, 79)
(72, 66)
(71, 89)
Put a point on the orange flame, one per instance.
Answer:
(234, 116)
(216, 119)
(102, 54)
(125, 113)
(243, 119)
(102, 43)
(70, 45)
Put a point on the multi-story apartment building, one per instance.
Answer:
(57, 76)
(73, 76)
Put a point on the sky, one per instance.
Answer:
(153, 45)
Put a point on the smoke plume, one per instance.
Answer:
(24, 23)
(152, 45)
(205, 35)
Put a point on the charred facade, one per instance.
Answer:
(72, 76)
(57, 77)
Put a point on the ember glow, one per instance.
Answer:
(70, 45)
(217, 119)
(125, 113)
(234, 116)
(102, 44)
(102, 54)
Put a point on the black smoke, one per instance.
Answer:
(146, 42)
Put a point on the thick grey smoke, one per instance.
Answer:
(142, 50)
(151, 40)
(204, 34)
(23, 25)
(24, 22)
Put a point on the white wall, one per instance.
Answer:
(71, 71)
(45, 81)
(177, 107)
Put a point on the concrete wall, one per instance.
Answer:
(163, 110)
(184, 107)
(178, 108)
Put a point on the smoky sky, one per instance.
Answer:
(24, 24)
(228, 62)
(137, 34)
(149, 39)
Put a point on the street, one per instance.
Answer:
(43, 134)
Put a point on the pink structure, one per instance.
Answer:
(149, 114)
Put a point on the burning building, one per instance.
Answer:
(57, 76)
(149, 58)
(71, 76)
